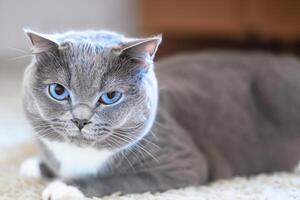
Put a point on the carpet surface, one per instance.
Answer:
(277, 186)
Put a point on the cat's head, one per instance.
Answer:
(91, 88)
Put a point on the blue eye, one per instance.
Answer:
(110, 98)
(58, 92)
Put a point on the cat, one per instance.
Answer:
(103, 125)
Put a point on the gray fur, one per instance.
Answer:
(219, 115)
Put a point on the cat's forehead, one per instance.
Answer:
(89, 52)
(89, 66)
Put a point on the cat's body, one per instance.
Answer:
(219, 115)
(241, 109)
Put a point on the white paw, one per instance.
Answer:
(58, 190)
(30, 168)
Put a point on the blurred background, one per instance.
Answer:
(187, 25)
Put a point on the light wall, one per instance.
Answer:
(62, 15)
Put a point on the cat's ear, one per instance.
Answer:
(40, 42)
(142, 49)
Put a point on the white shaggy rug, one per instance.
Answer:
(278, 186)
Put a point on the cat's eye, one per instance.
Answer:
(110, 98)
(58, 92)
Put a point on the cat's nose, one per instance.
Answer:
(80, 123)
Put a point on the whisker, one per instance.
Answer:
(124, 155)
(18, 57)
(18, 50)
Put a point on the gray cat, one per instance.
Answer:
(92, 99)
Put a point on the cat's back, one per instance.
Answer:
(190, 65)
(212, 71)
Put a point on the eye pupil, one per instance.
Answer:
(59, 89)
(111, 94)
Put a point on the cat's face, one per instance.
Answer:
(89, 94)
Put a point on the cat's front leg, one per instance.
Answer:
(30, 168)
(34, 168)
(134, 183)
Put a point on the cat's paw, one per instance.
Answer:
(30, 168)
(58, 190)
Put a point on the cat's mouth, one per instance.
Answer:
(81, 137)
(87, 137)
(80, 140)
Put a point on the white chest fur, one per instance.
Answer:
(76, 161)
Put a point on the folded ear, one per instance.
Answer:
(40, 42)
(141, 48)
